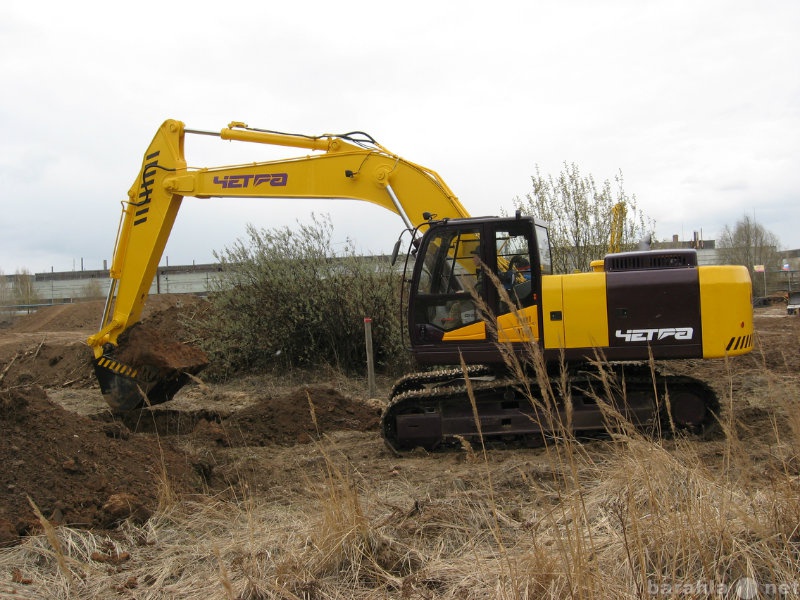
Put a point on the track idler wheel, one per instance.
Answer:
(693, 410)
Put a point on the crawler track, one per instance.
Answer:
(434, 409)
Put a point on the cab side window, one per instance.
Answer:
(514, 267)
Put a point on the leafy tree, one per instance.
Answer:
(286, 299)
(748, 243)
(580, 215)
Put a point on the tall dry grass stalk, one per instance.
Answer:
(55, 543)
(345, 542)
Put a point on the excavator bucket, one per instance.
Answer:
(146, 369)
(126, 388)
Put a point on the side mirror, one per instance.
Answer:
(395, 251)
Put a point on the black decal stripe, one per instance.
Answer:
(117, 367)
(149, 169)
(728, 347)
(142, 211)
(139, 221)
(153, 155)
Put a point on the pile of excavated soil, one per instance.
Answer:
(78, 471)
(48, 364)
(295, 417)
(144, 345)
(94, 471)
(159, 340)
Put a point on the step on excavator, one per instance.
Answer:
(482, 298)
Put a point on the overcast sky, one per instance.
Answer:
(696, 102)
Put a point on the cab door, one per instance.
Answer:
(516, 295)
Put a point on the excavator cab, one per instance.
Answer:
(475, 281)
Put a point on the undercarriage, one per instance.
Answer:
(436, 409)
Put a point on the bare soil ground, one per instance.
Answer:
(66, 453)
(277, 442)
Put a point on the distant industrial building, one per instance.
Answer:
(707, 253)
(783, 277)
(66, 286)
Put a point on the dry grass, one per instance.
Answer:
(631, 516)
(637, 516)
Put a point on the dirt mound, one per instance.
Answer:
(161, 308)
(77, 471)
(144, 345)
(61, 317)
(50, 366)
(92, 473)
(289, 418)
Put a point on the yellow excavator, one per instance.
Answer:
(480, 289)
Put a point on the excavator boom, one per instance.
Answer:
(350, 166)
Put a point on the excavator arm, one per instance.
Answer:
(350, 166)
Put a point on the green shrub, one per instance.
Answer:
(286, 299)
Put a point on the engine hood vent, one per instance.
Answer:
(650, 259)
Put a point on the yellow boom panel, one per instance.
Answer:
(345, 170)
